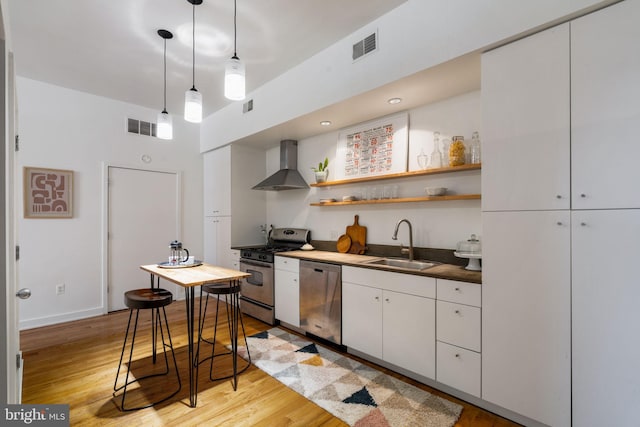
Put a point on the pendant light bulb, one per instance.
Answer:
(234, 76)
(165, 123)
(193, 98)
(193, 106)
(234, 81)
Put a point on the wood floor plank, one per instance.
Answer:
(76, 363)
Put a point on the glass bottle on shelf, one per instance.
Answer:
(475, 148)
(436, 155)
(446, 143)
(456, 151)
(422, 159)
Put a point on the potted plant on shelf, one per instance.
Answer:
(321, 171)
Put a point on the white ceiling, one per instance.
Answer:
(111, 47)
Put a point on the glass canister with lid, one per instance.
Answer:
(457, 151)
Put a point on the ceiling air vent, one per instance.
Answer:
(365, 46)
(141, 127)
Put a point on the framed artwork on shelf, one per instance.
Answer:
(48, 193)
(377, 147)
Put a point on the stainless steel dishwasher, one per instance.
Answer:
(321, 300)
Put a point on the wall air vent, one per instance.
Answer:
(365, 46)
(247, 106)
(141, 127)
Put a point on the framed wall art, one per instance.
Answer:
(378, 147)
(48, 193)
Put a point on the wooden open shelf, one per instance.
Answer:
(403, 200)
(399, 175)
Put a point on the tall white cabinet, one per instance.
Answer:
(605, 116)
(561, 110)
(233, 212)
(526, 364)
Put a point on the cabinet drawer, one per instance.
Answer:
(459, 292)
(458, 324)
(398, 282)
(287, 264)
(458, 368)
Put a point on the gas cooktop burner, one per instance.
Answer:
(280, 240)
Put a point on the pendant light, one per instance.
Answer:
(165, 126)
(234, 81)
(193, 98)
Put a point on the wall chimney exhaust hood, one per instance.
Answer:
(288, 177)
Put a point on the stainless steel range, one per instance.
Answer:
(257, 291)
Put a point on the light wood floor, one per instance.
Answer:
(75, 363)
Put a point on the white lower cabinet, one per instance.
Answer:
(458, 368)
(458, 328)
(605, 317)
(390, 316)
(287, 290)
(526, 316)
(217, 241)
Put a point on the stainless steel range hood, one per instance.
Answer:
(288, 177)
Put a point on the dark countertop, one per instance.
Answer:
(441, 271)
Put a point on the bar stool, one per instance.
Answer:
(231, 294)
(145, 299)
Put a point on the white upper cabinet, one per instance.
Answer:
(526, 117)
(605, 108)
(217, 182)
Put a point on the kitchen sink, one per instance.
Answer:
(404, 264)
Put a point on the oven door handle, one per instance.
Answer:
(256, 264)
(250, 280)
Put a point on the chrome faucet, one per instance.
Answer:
(404, 250)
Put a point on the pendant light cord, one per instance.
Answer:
(193, 46)
(165, 76)
(235, 29)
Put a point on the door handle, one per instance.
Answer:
(24, 293)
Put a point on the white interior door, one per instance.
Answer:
(143, 220)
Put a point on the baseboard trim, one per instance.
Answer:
(59, 318)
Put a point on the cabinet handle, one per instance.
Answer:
(558, 196)
(386, 299)
(584, 224)
(559, 223)
(457, 289)
(295, 280)
(458, 355)
(457, 312)
(583, 195)
(377, 298)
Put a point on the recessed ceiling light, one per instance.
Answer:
(325, 123)
(394, 100)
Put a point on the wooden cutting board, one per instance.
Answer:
(344, 243)
(358, 235)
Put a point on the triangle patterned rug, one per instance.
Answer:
(355, 393)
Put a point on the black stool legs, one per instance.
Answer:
(234, 319)
(154, 299)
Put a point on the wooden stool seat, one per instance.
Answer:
(221, 289)
(141, 299)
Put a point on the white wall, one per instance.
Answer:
(435, 224)
(413, 37)
(66, 129)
